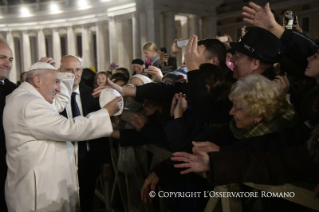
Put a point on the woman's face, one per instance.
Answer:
(312, 69)
(150, 107)
(149, 53)
(101, 79)
(242, 119)
(228, 56)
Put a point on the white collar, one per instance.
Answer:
(77, 90)
(27, 86)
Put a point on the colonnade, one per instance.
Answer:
(103, 39)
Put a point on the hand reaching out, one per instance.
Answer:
(156, 72)
(148, 186)
(206, 146)
(47, 60)
(192, 56)
(197, 162)
(263, 18)
(175, 49)
(112, 107)
(283, 83)
(181, 105)
(138, 122)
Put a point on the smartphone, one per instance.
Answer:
(145, 70)
(291, 20)
(115, 65)
(163, 49)
(223, 38)
(182, 43)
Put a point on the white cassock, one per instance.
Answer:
(41, 167)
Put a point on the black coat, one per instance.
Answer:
(89, 166)
(98, 147)
(263, 167)
(287, 138)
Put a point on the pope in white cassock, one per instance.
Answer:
(40, 157)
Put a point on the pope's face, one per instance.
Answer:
(49, 85)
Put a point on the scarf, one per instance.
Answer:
(288, 119)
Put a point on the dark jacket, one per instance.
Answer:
(277, 141)
(152, 132)
(99, 148)
(263, 167)
(204, 105)
(297, 47)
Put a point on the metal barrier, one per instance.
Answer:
(303, 192)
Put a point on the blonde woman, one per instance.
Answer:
(151, 53)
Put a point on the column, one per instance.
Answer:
(113, 40)
(170, 29)
(40, 44)
(136, 29)
(100, 46)
(193, 25)
(71, 41)
(153, 29)
(14, 74)
(211, 26)
(26, 52)
(56, 43)
(86, 53)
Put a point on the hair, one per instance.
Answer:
(214, 48)
(118, 76)
(150, 46)
(126, 72)
(96, 76)
(215, 78)
(21, 75)
(259, 96)
(32, 73)
(138, 61)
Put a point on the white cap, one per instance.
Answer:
(144, 79)
(41, 65)
(107, 95)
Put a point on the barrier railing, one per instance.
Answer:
(303, 193)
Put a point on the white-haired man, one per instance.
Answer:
(41, 167)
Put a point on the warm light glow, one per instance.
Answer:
(83, 4)
(54, 7)
(25, 11)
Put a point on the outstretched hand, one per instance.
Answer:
(113, 106)
(138, 122)
(97, 91)
(48, 60)
(192, 57)
(197, 162)
(206, 146)
(263, 18)
(148, 186)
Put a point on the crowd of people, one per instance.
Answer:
(236, 110)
